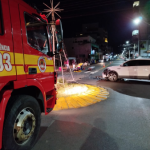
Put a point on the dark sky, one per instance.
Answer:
(113, 15)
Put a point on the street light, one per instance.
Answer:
(127, 47)
(137, 20)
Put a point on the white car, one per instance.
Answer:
(133, 69)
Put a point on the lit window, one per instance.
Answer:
(106, 41)
(93, 52)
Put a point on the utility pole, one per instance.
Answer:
(129, 53)
(134, 51)
(137, 20)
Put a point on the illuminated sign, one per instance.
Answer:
(136, 4)
(135, 32)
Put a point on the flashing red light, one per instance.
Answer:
(57, 22)
(44, 17)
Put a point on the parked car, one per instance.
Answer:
(134, 69)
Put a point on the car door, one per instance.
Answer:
(133, 69)
(127, 70)
(148, 69)
(144, 69)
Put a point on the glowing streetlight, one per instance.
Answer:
(137, 20)
(127, 42)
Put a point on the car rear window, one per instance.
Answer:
(1, 21)
(144, 62)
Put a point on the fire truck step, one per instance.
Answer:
(49, 97)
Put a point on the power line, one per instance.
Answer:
(88, 1)
(88, 7)
(90, 14)
(94, 3)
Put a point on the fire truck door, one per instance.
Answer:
(38, 65)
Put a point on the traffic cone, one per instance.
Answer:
(104, 65)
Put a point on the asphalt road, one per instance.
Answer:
(122, 122)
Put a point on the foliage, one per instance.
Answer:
(146, 10)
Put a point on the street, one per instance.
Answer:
(64, 75)
(122, 122)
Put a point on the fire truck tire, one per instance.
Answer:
(22, 123)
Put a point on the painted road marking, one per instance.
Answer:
(105, 67)
(94, 72)
(87, 71)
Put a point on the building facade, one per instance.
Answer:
(83, 48)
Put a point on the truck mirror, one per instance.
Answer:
(59, 35)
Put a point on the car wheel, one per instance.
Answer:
(22, 123)
(113, 76)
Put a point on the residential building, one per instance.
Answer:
(99, 34)
(83, 48)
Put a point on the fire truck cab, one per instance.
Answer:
(27, 74)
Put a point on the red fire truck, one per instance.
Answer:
(27, 75)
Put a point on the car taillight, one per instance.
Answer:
(55, 77)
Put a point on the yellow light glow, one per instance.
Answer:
(106, 40)
(76, 90)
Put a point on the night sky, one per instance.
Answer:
(113, 15)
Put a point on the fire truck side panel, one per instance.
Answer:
(22, 65)
(2, 85)
(35, 59)
(3, 103)
(5, 96)
(7, 68)
(17, 40)
(31, 82)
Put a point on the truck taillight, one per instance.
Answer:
(55, 77)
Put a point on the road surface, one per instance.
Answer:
(122, 122)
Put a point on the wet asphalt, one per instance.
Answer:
(122, 122)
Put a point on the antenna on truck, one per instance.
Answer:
(52, 10)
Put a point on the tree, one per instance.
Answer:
(146, 10)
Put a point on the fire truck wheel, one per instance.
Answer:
(22, 123)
